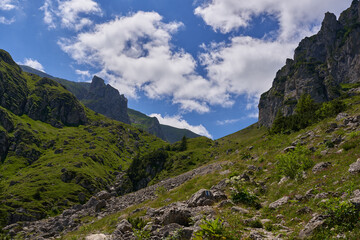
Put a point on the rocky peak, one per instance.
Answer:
(6, 57)
(321, 63)
(106, 100)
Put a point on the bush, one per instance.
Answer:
(213, 230)
(137, 223)
(343, 216)
(241, 195)
(292, 164)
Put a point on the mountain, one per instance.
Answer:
(106, 100)
(321, 64)
(54, 151)
(152, 125)
(253, 184)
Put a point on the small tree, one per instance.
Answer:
(183, 145)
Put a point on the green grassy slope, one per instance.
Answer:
(52, 160)
(252, 151)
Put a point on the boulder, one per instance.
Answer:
(202, 198)
(315, 223)
(103, 195)
(97, 237)
(280, 202)
(123, 227)
(321, 166)
(239, 210)
(176, 214)
(355, 167)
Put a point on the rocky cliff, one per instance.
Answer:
(106, 100)
(321, 63)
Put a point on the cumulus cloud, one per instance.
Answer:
(178, 122)
(293, 16)
(70, 13)
(134, 54)
(248, 65)
(33, 64)
(83, 73)
(7, 5)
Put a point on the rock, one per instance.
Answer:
(280, 202)
(321, 166)
(323, 195)
(356, 193)
(168, 230)
(103, 195)
(341, 116)
(356, 202)
(289, 149)
(355, 167)
(123, 227)
(283, 180)
(201, 198)
(225, 203)
(176, 214)
(100, 205)
(315, 223)
(98, 237)
(239, 210)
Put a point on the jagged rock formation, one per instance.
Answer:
(321, 63)
(106, 100)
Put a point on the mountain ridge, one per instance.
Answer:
(90, 98)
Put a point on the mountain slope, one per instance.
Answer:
(321, 64)
(54, 151)
(104, 99)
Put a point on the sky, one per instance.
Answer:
(195, 64)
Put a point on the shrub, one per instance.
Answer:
(137, 223)
(343, 216)
(241, 195)
(213, 230)
(292, 164)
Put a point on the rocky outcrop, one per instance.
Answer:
(106, 100)
(50, 102)
(320, 64)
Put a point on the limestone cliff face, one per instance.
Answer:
(106, 100)
(320, 64)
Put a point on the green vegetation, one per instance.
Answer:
(294, 163)
(212, 230)
(307, 113)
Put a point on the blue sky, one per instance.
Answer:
(196, 64)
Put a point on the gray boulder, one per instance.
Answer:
(206, 198)
(355, 167)
(280, 202)
(321, 166)
(315, 223)
(176, 214)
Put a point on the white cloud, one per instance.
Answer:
(179, 122)
(135, 54)
(83, 73)
(228, 121)
(294, 16)
(7, 5)
(33, 64)
(4, 20)
(70, 13)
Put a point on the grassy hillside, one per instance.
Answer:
(54, 151)
(173, 135)
(273, 173)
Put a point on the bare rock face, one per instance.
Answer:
(320, 64)
(106, 100)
